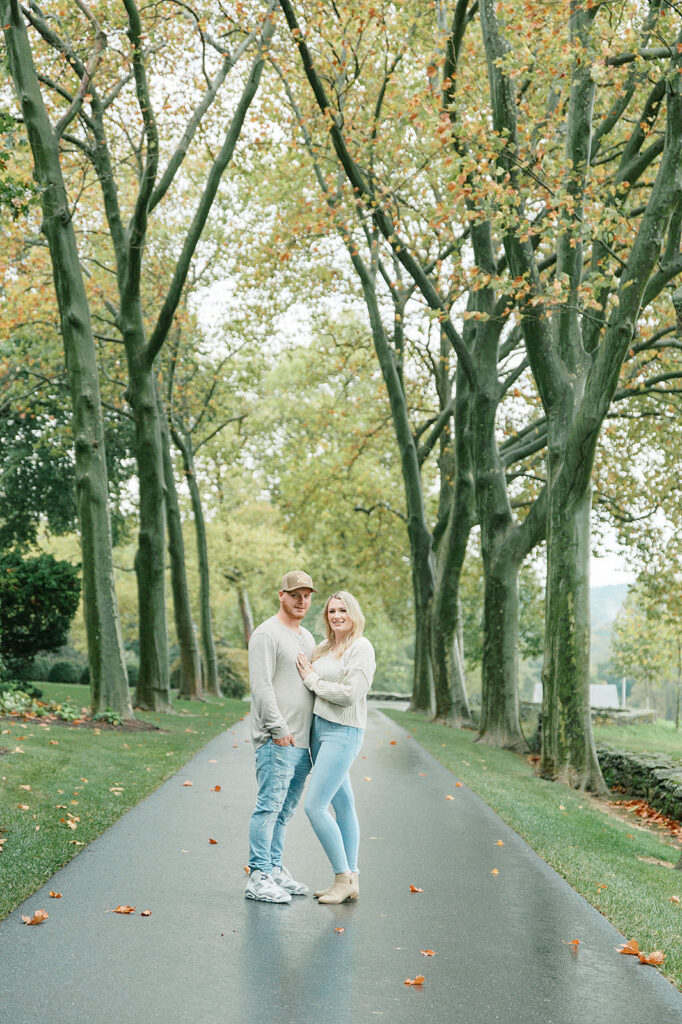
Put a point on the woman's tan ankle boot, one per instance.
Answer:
(354, 882)
(344, 888)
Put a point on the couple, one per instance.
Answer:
(307, 701)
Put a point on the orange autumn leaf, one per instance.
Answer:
(215, 789)
(247, 869)
(368, 778)
(427, 952)
(418, 980)
(674, 899)
(413, 888)
(572, 942)
(339, 930)
(459, 785)
(448, 797)
(123, 908)
(393, 743)
(655, 959)
(494, 871)
(188, 783)
(213, 842)
(23, 807)
(145, 913)
(38, 917)
(630, 947)
(55, 895)
(499, 843)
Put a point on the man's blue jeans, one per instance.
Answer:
(281, 773)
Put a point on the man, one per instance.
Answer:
(281, 716)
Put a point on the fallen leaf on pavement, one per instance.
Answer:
(571, 942)
(38, 917)
(339, 930)
(448, 797)
(459, 785)
(213, 842)
(427, 952)
(215, 789)
(413, 888)
(145, 913)
(655, 959)
(631, 947)
(188, 783)
(247, 869)
(499, 843)
(418, 980)
(55, 895)
(494, 871)
(124, 909)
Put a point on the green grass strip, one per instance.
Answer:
(93, 775)
(576, 835)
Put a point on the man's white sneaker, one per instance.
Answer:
(263, 887)
(283, 878)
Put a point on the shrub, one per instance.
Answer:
(18, 686)
(41, 667)
(133, 672)
(65, 672)
(38, 600)
(85, 676)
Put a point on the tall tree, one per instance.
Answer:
(101, 93)
(109, 682)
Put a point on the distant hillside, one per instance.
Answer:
(605, 604)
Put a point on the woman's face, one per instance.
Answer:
(338, 618)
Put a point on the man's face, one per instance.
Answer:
(295, 603)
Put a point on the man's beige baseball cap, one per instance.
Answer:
(294, 580)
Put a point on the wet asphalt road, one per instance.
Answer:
(208, 955)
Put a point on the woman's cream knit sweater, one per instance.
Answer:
(341, 684)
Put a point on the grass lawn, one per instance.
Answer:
(614, 864)
(51, 774)
(658, 738)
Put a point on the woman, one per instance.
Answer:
(344, 668)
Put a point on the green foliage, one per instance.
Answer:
(109, 716)
(16, 685)
(65, 672)
(17, 194)
(38, 600)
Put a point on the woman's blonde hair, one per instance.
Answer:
(358, 625)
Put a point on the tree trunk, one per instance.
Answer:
(422, 691)
(212, 681)
(500, 724)
(153, 688)
(246, 613)
(457, 491)
(108, 675)
(190, 665)
(568, 751)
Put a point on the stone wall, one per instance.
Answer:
(654, 777)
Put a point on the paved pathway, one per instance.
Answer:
(209, 956)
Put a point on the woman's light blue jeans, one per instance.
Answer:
(334, 747)
(281, 773)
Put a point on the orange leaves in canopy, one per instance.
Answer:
(38, 917)
(417, 980)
